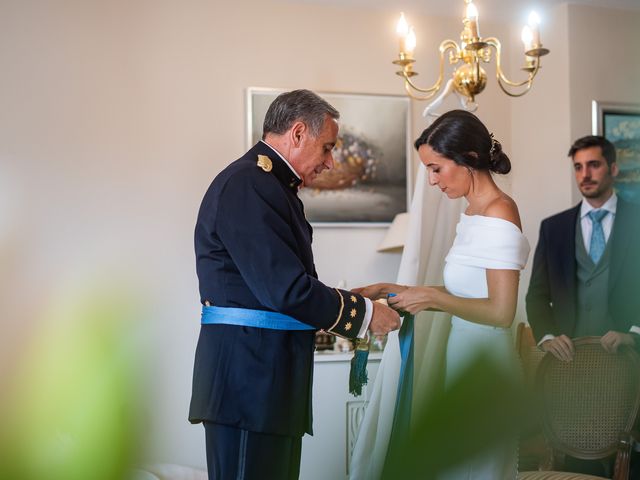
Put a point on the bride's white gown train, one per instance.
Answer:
(482, 243)
(431, 231)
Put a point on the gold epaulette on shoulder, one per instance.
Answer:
(350, 316)
(264, 163)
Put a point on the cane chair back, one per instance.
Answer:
(589, 402)
(533, 452)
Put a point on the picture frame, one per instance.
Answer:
(370, 182)
(620, 124)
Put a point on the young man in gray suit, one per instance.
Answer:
(586, 269)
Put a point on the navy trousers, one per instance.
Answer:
(235, 454)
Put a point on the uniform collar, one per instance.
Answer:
(281, 168)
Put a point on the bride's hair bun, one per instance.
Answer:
(498, 160)
(460, 136)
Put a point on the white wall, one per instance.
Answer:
(116, 116)
(540, 123)
(602, 62)
(591, 59)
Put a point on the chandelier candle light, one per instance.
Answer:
(469, 78)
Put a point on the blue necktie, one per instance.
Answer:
(596, 247)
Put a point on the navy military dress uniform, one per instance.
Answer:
(253, 251)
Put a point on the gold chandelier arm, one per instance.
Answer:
(503, 81)
(432, 90)
(502, 87)
(409, 89)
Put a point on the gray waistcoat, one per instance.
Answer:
(592, 290)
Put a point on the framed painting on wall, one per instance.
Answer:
(620, 124)
(369, 183)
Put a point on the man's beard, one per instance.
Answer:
(591, 193)
(599, 190)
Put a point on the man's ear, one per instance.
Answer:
(614, 169)
(297, 132)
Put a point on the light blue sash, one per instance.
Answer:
(402, 415)
(251, 318)
(402, 412)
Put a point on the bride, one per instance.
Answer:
(482, 268)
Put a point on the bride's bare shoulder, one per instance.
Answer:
(504, 207)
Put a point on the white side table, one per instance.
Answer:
(336, 416)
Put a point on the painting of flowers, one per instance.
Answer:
(369, 182)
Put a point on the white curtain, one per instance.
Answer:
(432, 222)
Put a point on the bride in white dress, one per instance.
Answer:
(482, 269)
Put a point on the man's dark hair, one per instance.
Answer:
(298, 105)
(608, 150)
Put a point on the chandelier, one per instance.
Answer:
(469, 78)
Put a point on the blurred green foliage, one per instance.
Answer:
(485, 406)
(72, 410)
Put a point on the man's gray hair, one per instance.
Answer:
(298, 105)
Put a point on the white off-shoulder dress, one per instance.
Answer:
(482, 243)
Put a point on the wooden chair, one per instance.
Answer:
(589, 407)
(533, 451)
(530, 354)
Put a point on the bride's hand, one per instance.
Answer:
(416, 299)
(379, 290)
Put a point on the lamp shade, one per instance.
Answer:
(396, 235)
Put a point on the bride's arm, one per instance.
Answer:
(498, 309)
(379, 290)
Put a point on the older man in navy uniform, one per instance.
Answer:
(262, 301)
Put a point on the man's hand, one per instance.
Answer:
(560, 347)
(611, 340)
(384, 319)
(378, 290)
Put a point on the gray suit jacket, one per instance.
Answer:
(551, 298)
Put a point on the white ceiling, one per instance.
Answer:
(494, 9)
